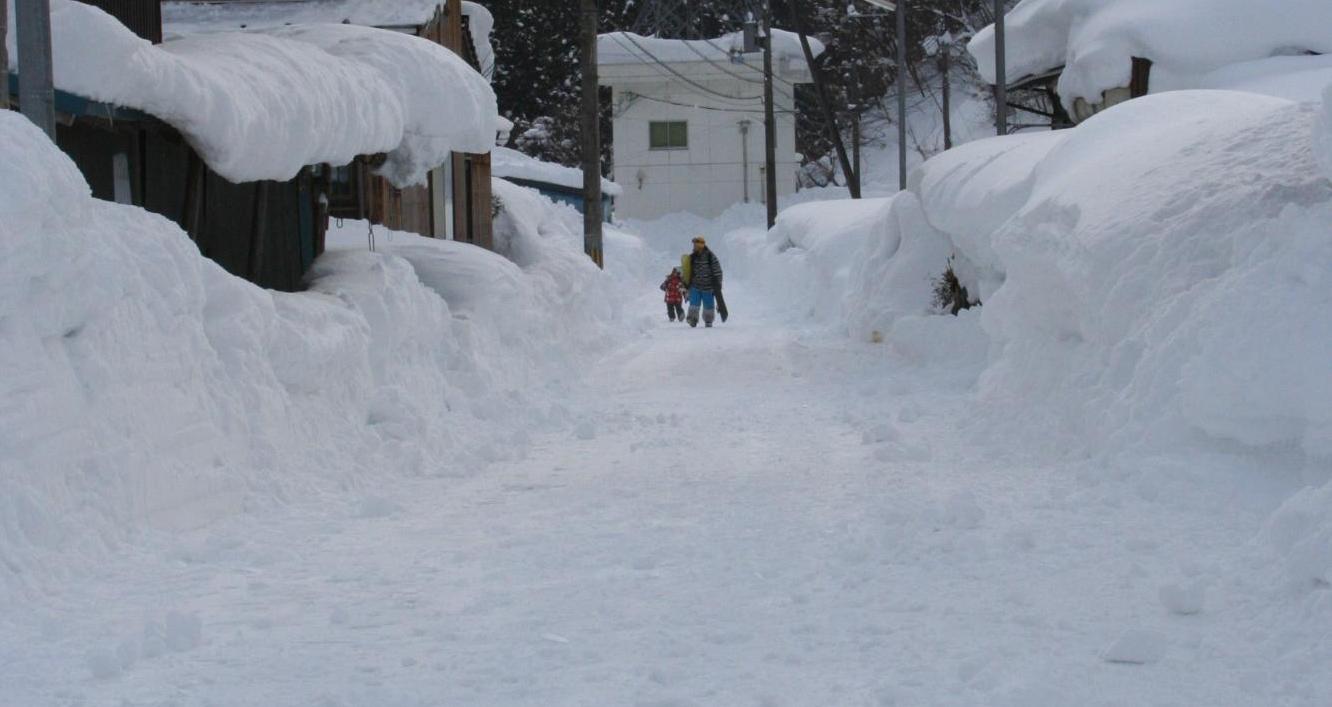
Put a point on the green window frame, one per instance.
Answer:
(668, 135)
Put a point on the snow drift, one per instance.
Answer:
(145, 388)
(1095, 40)
(261, 105)
(1135, 272)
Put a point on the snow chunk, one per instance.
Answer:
(1136, 646)
(1183, 599)
(1095, 40)
(261, 105)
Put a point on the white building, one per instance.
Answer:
(688, 120)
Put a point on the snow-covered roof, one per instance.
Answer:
(481, 23)
(184, 17)
(1095, 40)
(629, 48)
(196, 16)
(510, 163)
(1296, 78)
(263, 104)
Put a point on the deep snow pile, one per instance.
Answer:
(261, 105)
(1135, 273)
(146, 388)
(1096, 40)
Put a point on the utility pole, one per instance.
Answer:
(591, 135)
(4, 56)
(769, 120)
(946, 47)
(1000, 79)
(901, 95)
(856, 90)
(32, 22)
(821, 88)
(744, 156)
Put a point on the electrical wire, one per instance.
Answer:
(675, 73)
(712, 108)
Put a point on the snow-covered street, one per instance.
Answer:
(747, 515)
(324, 382)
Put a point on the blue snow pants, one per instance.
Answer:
(707, 299)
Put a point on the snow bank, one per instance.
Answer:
(146, 389)
(261, 105)
(1134, 272)
(806, 260)
(507, 162)
(1095, 40)
(1162, 248)
(630, 48)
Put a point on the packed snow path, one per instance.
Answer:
(738, 516)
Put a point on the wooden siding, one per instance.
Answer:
(472, 216)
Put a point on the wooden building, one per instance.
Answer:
(1038, 95)
(455, 203)
(268, 232)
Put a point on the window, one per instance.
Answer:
(668, 135)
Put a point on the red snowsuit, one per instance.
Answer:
(673, 287)
(674, 296)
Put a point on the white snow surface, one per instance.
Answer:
(149, 389)
(1295, 78)
(261, 105)
(446, 476)
(508, 162)
(630, 48)
(1132, 271)
(1095, 40)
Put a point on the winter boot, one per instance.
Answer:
(693, 315)
(708, 316)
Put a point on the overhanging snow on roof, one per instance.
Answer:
(1095, 40)
(263, 104)
(509, 163)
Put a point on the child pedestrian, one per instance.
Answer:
(674, 289)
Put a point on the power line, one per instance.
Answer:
(758, 109)
(675, 73)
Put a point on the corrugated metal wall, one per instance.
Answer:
(143, 17)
